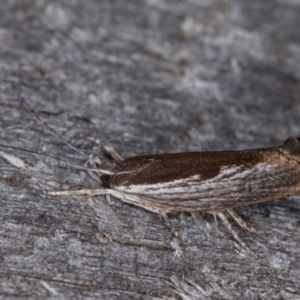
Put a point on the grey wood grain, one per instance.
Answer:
(155, 76)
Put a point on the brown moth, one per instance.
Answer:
(212, 182)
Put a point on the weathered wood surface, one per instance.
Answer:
(157, 76)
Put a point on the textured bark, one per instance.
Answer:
(155, 76)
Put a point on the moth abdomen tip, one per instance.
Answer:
(292, 146)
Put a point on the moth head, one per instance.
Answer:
(105, 180)
(100, 170)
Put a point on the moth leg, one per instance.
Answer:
(91, 192)
(110, 150)
(216, 224)
(194, 216)
(216, 221)
(169, 224)
(94, 175)
(235, 235)
(175, 232)
(242, 223)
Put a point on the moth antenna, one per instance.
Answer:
(51, 130)
(46, 155)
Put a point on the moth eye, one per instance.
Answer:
(105, 179)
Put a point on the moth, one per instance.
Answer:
(212, 182)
